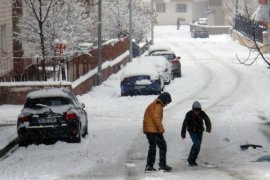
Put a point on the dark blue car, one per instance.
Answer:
(141, 78)
(130, 86)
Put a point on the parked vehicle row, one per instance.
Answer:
(149, 74)
(55, 114)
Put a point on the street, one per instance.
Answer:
(236, 98)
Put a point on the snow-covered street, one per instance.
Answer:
(236, 98)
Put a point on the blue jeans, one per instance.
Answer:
(196, 138)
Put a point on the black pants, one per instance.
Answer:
(155, 139)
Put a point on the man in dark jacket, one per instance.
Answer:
(193, 122)
(153, 129)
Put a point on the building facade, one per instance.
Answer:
(6, 39)
(188, 11)
(168, 11)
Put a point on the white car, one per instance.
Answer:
(164, 67)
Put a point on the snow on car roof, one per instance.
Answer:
(163, 52)
(138, 67)
(159, 47)
(52, 92)
(160, 61)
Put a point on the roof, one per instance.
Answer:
(158, 47)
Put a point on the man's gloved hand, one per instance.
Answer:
(183, 135)
(208, 130)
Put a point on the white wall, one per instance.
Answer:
(6, 41)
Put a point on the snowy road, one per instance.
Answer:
(234, 96)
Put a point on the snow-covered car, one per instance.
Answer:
(202, 21)
(158, 47)
(141, 78)
(174, 61)
(199, 32)
(164, 67)
(51, 114)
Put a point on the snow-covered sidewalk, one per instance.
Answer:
(8, 120)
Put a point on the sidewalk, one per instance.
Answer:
(8, 120)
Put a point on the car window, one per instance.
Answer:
(74, 99)
(48, 101)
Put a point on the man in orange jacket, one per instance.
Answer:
(153, 128)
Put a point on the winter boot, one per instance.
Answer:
(192, 162)
(149, 168)
(165, 168)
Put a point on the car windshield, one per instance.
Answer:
(134, 79)
(48, 101)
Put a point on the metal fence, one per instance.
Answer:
(249, 27)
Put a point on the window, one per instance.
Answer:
(160, 7)
(3, 40)
(181, 8)
(215, 2)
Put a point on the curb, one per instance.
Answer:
(8, 147)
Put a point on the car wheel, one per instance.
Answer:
(23, 142)
(78, 137)
(85, 131)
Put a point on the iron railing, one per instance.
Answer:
(249, 27)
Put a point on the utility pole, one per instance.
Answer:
(268, 25)
(99, 42)
(152, 24)
(130, 30)
(236, 6)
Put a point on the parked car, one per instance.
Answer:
(199, 32)
(141, 78)
(50, 115)
(174, 61)
(202, 21)
(163, 66)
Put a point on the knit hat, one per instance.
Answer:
(165, 98)
(196, 105)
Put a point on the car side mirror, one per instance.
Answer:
(83, 105)
(178, 57)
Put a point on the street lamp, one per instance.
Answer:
(130, 30)
(99, 42)
(152, 24)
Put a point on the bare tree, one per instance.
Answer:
(49, 20)
(40, 10)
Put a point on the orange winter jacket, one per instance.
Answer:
(153, 115)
